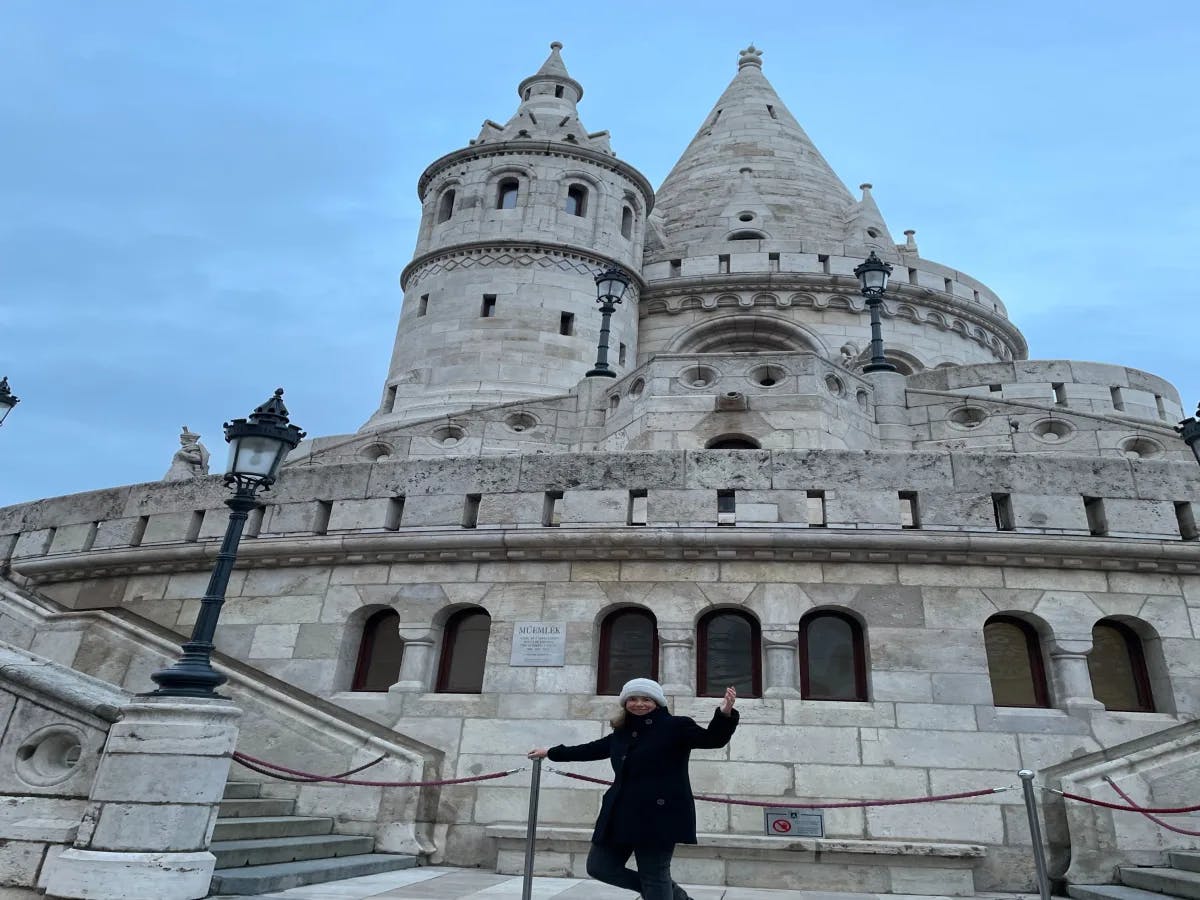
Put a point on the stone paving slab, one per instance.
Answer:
(448, 883)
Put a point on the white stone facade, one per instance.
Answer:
(495, 476)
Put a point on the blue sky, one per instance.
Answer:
(202, 201)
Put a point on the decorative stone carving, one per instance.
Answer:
(416, 663)
(675, 646)
(190, 460)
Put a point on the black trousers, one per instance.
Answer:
(606, 862)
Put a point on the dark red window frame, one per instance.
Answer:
(702, 652)
(449, 645)
(1137, 664)
(366, 648)
(1033, 651)
(604, 683)
(860, 656)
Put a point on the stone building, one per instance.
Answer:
(920, 580)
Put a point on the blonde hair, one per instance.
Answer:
(618, 720)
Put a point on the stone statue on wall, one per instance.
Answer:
(190, 460)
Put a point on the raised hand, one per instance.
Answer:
(730, 699)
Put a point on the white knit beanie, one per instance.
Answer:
(643, 687)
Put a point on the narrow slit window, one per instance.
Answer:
(576, 204)
(193, 532)
(771, 111)
(626, 222)
(558, 90)
(1097, 521)
(726, 507)
(723, 264)
(949, 285)
(1059, 390)
(823, 259)
(1118, 402)
(552, 509)
(910, 511)
(139, 531)
(321, 518)
(389, 402)
(487, 309)
(446, 207)
(1158, 403)
(637, 507)
(506, 193)
(620, 354)
(1186, 517)
(471, 510)
(912, 276)
(394, 514)
(996, 388)
(566, 323)
(423, 305)
(816, 509)
(676, 268)
(1002, 510)
(773, 262)
(90, 540)
(254, 522)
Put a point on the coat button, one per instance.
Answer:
(634, 734)
(661, 802)
(649, 721)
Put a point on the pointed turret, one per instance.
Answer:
(750, 142)
(547, 111)
(865, 227)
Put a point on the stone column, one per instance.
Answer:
(782, 666)
(417, 661)
(891, 412)
(153, 804)
(1069, 673)
(677, 668)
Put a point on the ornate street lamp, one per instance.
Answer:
(7, 399)
(1189, 430)
(257, 447)
(873, 275)
(611, 285)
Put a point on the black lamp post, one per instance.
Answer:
(1189, 430)
(873, 275)
(257, 447)
(611, 285)
(7, 399)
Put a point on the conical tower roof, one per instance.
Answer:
(751, 145)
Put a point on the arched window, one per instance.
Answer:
(832, 657)
(576, 203)
(446, 207)
(729, 654)
(464, 650)
(379, 652)
(1015, 667)
(733, 442)
(506, 193)
(628, 649)
(747, 236)
(626, 222)
(1118, 668)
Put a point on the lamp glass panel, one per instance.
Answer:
(254, 455)
(610, 287)
(874, 279)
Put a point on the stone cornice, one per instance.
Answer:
(511, 246)
(538, 148)
(654, 297)
(771, 544)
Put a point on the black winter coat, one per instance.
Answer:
(650, 802)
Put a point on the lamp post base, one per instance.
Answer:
(602, 373)
(880, 367)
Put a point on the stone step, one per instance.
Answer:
(281, 876)
(269, 851)
(1172, 882)
(258, 806)
(254, 827)
(1109, 892)
(1188, 860)
(241, 790)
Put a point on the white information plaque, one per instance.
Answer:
(789, 822)
(539, 644)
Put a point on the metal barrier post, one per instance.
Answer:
(1035, 833)
(535, 783)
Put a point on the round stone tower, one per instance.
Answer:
(500, 298)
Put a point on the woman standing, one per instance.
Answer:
(649, 808)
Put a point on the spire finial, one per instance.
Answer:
(865, 187)
(556, 45)
(749, 57)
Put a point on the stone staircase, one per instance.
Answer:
(1180, 879)
(261, 845)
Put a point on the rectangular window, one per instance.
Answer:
(823, 259)
(1118, 401)
(389, 401)
(90, 540)
(910, 511)
(723, 264)
(620, 354)
(423, 305)
(552, 509)
(1186, 518)
(193, 532)
(1002, 510)
(488, 309)
(976, 293)
(254, 522)
(912, 276)
(471, 510)
(1158, 402)
(949, 286)
(1060, 393)
(637, 507)
(772, 262)
(816, 509)
(50, 533)
(996, 388)
(771, 111)
(726, 507)
(394, 514)
(139, 531)
(566, 323)
(321, 519)
(1093, 507)
(676, 268)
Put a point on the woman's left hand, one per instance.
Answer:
(730, 699)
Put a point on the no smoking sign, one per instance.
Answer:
(787, 822)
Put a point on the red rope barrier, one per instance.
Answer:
(1157, 821)
(314, 778)
(1166, 810)
(844, 805)
(262, 767)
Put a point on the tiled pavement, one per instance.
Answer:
(445, 883)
